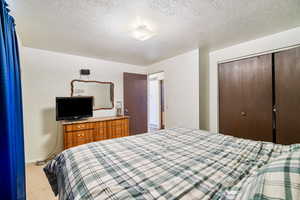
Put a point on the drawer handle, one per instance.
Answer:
(80, 134)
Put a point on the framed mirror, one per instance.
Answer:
(103, 92)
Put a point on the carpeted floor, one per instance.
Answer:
(37, 186)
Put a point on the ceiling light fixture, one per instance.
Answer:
(142, 33)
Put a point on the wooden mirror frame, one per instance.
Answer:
(100, 82)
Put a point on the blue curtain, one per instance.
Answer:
(12, 164)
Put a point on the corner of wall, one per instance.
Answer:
(204, 88)
(182, 84)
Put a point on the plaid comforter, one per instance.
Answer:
(170, 164)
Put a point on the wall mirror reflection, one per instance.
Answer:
(103, 92)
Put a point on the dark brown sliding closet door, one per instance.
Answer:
(287, 84)
(245, 98)
(230, 99)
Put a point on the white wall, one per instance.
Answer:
(272, 43)
(47, 74)
(204, 88)
(181, 75)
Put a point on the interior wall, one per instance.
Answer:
(204, 88)
(46, 75)
(181, 76)
(272, 43)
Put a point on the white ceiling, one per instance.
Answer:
(101, 28)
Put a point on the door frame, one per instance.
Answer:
(160, 109)
(162, 102)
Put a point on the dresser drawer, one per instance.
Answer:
(100, 133)
(117, 131)
(119, 122)
(78, 127)
(83, 137)
(100, 125)
(79, 137)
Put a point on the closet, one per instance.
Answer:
(259, 97)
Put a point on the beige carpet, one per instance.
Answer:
(37, 186)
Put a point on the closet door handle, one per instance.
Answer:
(243, 114)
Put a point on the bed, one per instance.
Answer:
(174, 164)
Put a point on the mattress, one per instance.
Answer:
(174, 164)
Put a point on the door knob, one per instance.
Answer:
(243, 114)
(126, 110)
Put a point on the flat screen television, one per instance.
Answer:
(72, 108)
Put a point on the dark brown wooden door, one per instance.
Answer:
(245, 98)
(287, 90)
(135, 102)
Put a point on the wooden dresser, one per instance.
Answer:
(94, 129)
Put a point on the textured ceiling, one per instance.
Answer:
(101, 28)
